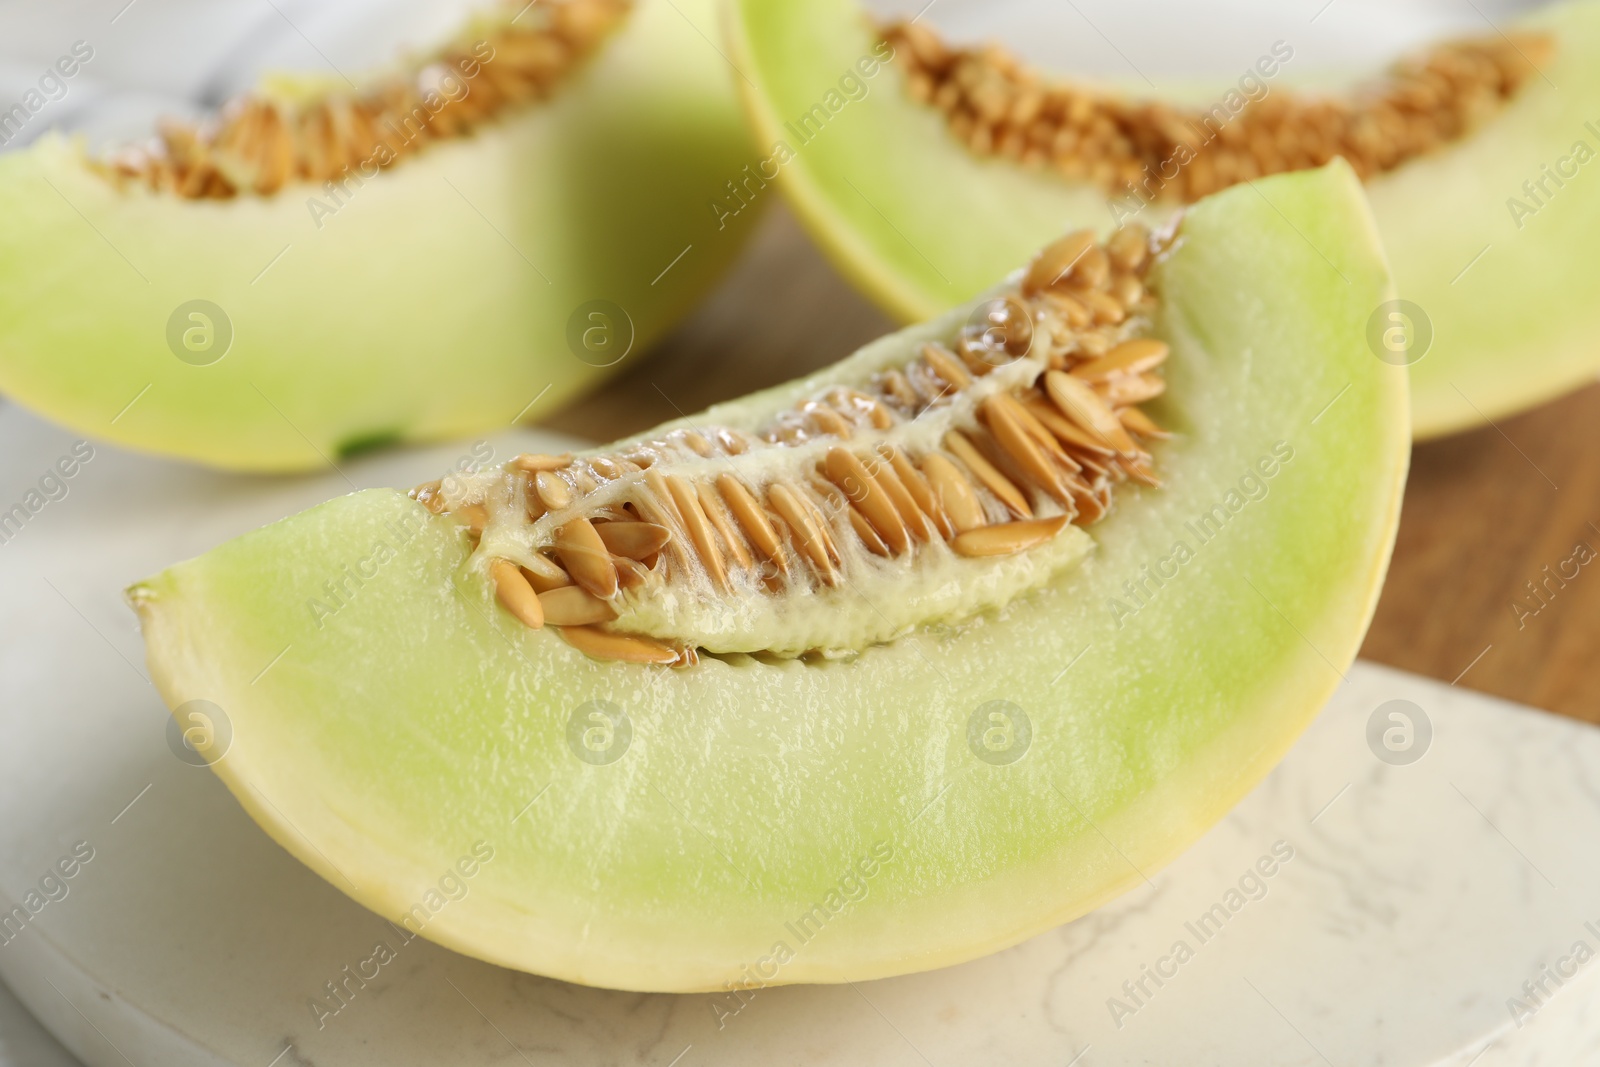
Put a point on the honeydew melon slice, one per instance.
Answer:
(762, 821)
(430, 301)
(1503, 276)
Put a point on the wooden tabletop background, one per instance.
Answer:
(1485, 511)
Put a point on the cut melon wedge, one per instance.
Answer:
(760, 820)
(435, 299)
(920, 223)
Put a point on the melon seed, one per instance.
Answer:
(629, 648)
(712, 504)
(583, 554)
(258, 144)
(533, 463)
(999, 107)
(807, 535)
(635, 540)
(554, 493)
(932, 455)
(1134, 356)
(752, 518)
(1138, 422)
(1007, 537)
(954, 493)
(960, 446)
(569, 605)
(850, 474)
(515, 593)
(694, 517)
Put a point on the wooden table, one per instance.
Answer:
(1485, 511)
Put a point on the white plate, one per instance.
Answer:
(23, 1042)
(1417, 902)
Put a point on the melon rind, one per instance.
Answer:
(420, 719)
(919, 223)
(433, 304)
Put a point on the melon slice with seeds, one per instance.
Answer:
(871, 672)
(321, 268)
(959, 158)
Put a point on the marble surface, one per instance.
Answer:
(1407, 904)
(181, 57)
(23, 1042)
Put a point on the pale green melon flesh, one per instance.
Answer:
(921, 223)
(434, 304)
(421, 718)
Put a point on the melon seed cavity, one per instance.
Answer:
(960, 467)
(997, 106)
(260, 142)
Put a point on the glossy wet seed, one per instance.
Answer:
(960, 446)
(1009, 466)
(954, 493)
(1006, 538)
(513, 590)
(1138, 422)
(1080, 404)
(533, 462)
(752, 519)
(581, 551)
(847, 471)
(716, 512)
(629, 648)
(1056, 262)
(1133, 356)
(554, 493)
(635, 540)
(1024, 450)
(807, 536)
(700, 531)
(570, 605)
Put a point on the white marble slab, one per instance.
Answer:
(1418, 899)
(23, 1042)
